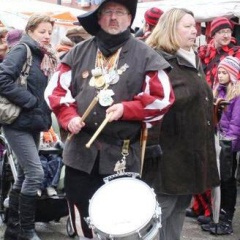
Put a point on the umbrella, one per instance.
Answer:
(216, 191)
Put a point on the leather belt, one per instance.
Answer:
(112, 140)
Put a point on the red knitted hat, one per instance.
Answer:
(220, 23)
(152, 15)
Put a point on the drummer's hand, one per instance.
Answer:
(116, 110)
(75, 125)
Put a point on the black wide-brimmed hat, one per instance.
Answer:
(89, 20)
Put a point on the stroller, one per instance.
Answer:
(49, 208)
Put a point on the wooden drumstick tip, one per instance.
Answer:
(69, 137)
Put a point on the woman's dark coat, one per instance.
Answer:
(188, 162)
(35, 114)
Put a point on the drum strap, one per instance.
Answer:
(125, 147)
(120, 165)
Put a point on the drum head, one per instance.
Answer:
(122, 206)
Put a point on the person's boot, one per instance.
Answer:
(208, 226)
(225, 225)
(223, 228)
(27, 208)
(13, 227)
(204, 219)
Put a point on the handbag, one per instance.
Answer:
(8, 110)
(219, 106)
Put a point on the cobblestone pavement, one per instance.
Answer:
(191, 231)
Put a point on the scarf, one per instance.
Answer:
(49, 61)
(109, 44)
(188, 55)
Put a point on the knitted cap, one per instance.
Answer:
(152, 15)
(232, 66)
(220, 23)
(13, 37)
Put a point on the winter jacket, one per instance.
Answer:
(229, 124)
(35, 114)
(188, 161)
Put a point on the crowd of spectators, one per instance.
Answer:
(217, 63)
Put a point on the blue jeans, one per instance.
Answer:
(29, 168)
(52, 165)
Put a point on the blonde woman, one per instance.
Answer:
(188, 162)
(23, 134)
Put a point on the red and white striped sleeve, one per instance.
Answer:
(58, 96)
(153, 102)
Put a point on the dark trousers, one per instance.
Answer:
(80, 187)
(229, 189)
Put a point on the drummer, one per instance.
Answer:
(132, 87)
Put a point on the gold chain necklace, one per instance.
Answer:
(107, 63)
(106, 74)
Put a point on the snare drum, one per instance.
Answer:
(125, 208)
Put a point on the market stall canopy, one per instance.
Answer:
(15, 13)
(204, 10)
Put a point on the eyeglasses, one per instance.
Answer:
(110, 12)
(223, 32)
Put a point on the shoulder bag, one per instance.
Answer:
(8, 110)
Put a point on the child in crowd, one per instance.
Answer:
(228, 88)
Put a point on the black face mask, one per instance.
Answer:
(109, 44)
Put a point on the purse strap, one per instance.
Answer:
(22, 79)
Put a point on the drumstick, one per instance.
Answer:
(144, 143)
(88, 110)
(103, 124)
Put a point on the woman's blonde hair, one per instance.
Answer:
(35, 20)
(164, 36)
(233, 90)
